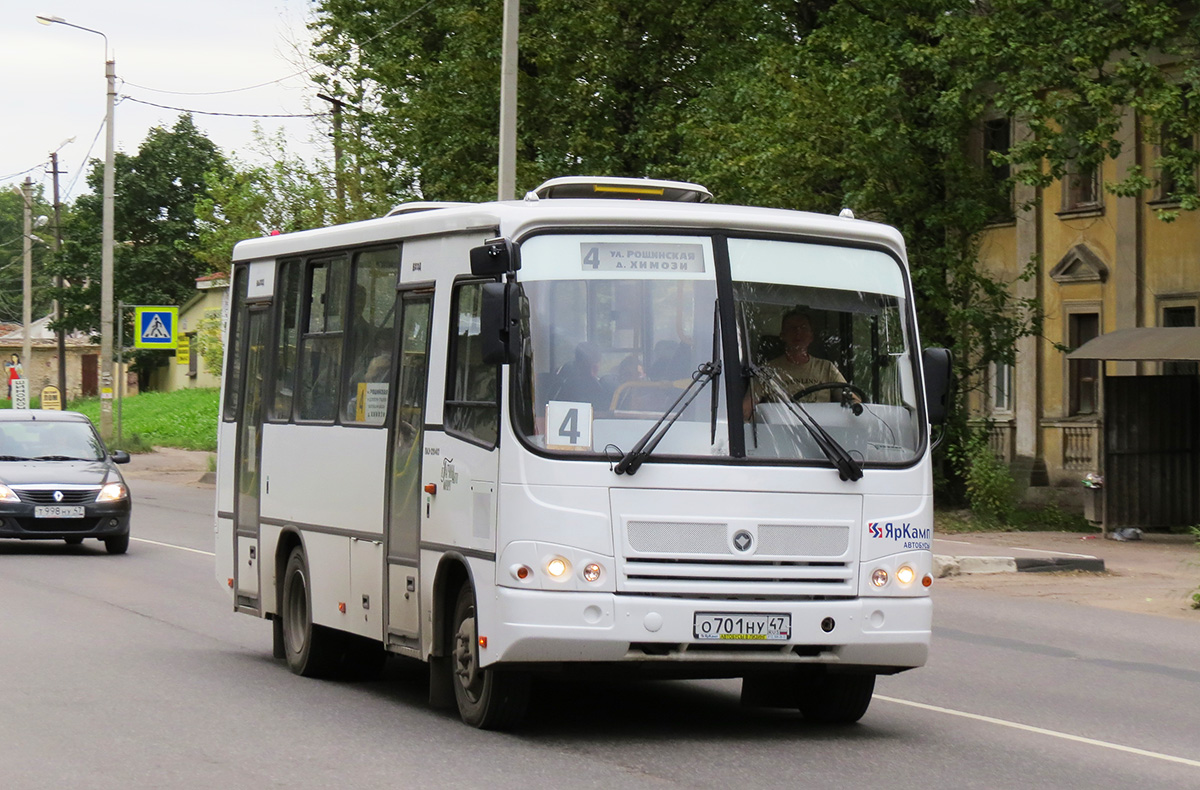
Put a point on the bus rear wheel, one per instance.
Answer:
(835, 698)
(487, 698)
(310, 650)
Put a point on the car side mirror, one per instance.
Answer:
(937, 364)
(119, 457)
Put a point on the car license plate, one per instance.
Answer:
(749, 626)
(58, 511)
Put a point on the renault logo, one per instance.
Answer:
(742, 540)
(58, 496)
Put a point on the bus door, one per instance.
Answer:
(248, 470)
(405, 448)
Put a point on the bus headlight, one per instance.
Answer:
(558, 568)
(905, 575)
(879, 577)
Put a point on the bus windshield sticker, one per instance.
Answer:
(641, 257)
(569, 425)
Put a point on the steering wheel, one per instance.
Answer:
(835, 385)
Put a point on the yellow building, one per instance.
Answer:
(188, 369)
(1104, 263)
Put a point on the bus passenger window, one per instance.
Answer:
(321, 348)
(371, 336)
(472, 388)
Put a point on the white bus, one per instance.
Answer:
(578, 433)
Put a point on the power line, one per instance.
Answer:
(227, 114)
(23, 172)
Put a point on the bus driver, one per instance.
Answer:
(795, 369)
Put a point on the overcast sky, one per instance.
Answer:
(54, 77)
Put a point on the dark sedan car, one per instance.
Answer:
(58, 482)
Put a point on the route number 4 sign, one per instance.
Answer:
(568, 425)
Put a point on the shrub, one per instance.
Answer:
(988, 481)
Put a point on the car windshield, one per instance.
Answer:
(49, 440)
(616, 326)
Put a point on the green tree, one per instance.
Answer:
(12, 254)
(157, 257)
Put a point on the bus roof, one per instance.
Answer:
(514, 219)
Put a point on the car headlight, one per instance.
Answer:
(112, 492)
(7, 494)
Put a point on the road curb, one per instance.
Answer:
(947, 565)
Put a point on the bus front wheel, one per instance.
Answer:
(487, 698)
(835, 698)
(311, 650)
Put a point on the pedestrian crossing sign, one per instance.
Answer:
(154, 327)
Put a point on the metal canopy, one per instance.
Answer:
(1144, 344)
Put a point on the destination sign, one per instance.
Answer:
(641, 257)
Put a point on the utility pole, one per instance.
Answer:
(337, 154)
(27, 301)
(58, 283)
(507, 166)
(106, 258)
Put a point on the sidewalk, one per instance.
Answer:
(1006, 552)
(189, 467)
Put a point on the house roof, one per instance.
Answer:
(41, 334)
(1144, 344)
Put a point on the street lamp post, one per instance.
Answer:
(106, 252)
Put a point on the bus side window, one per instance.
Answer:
(288, 311)
(371, 335)
(472, 389)
(321, 347)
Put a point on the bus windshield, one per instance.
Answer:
(618, 325)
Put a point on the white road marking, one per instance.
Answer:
(173, 546)
(1042, 731)
(1022, 548)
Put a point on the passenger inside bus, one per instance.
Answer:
(579, 380)
(795, 369)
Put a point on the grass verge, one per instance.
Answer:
(186, 419)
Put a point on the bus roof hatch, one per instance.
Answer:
(608, 187)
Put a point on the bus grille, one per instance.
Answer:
(699, 558)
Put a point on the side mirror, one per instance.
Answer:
(493, 258)
(936, 362)
(499, 315)
(120, 457)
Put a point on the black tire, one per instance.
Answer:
(835, 699)
(487, 698)
(311, 650)
(117, 544)
(74, 540)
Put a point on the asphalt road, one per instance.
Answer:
(132, 672)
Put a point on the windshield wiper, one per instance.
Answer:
(14, 458)
(848, 468)
(629, 463)
(59, 458)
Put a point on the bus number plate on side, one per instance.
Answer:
(752, 626)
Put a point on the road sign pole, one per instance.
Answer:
(120, 367)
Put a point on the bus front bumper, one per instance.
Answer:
(539, 626)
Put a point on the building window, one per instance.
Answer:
(1179, 147)
(1081, 187)
(1083, 374)
(472, 388)
(1182, 315)
(997, 139)
(1000, 386)
(193, 355)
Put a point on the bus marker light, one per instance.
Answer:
(905, 574)
(556, 567)
(591, 572)
(928, 580)
(431, 488)
(521, 572)
(342, 607)
(231, 582)
(879, 577)
(483, 642)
